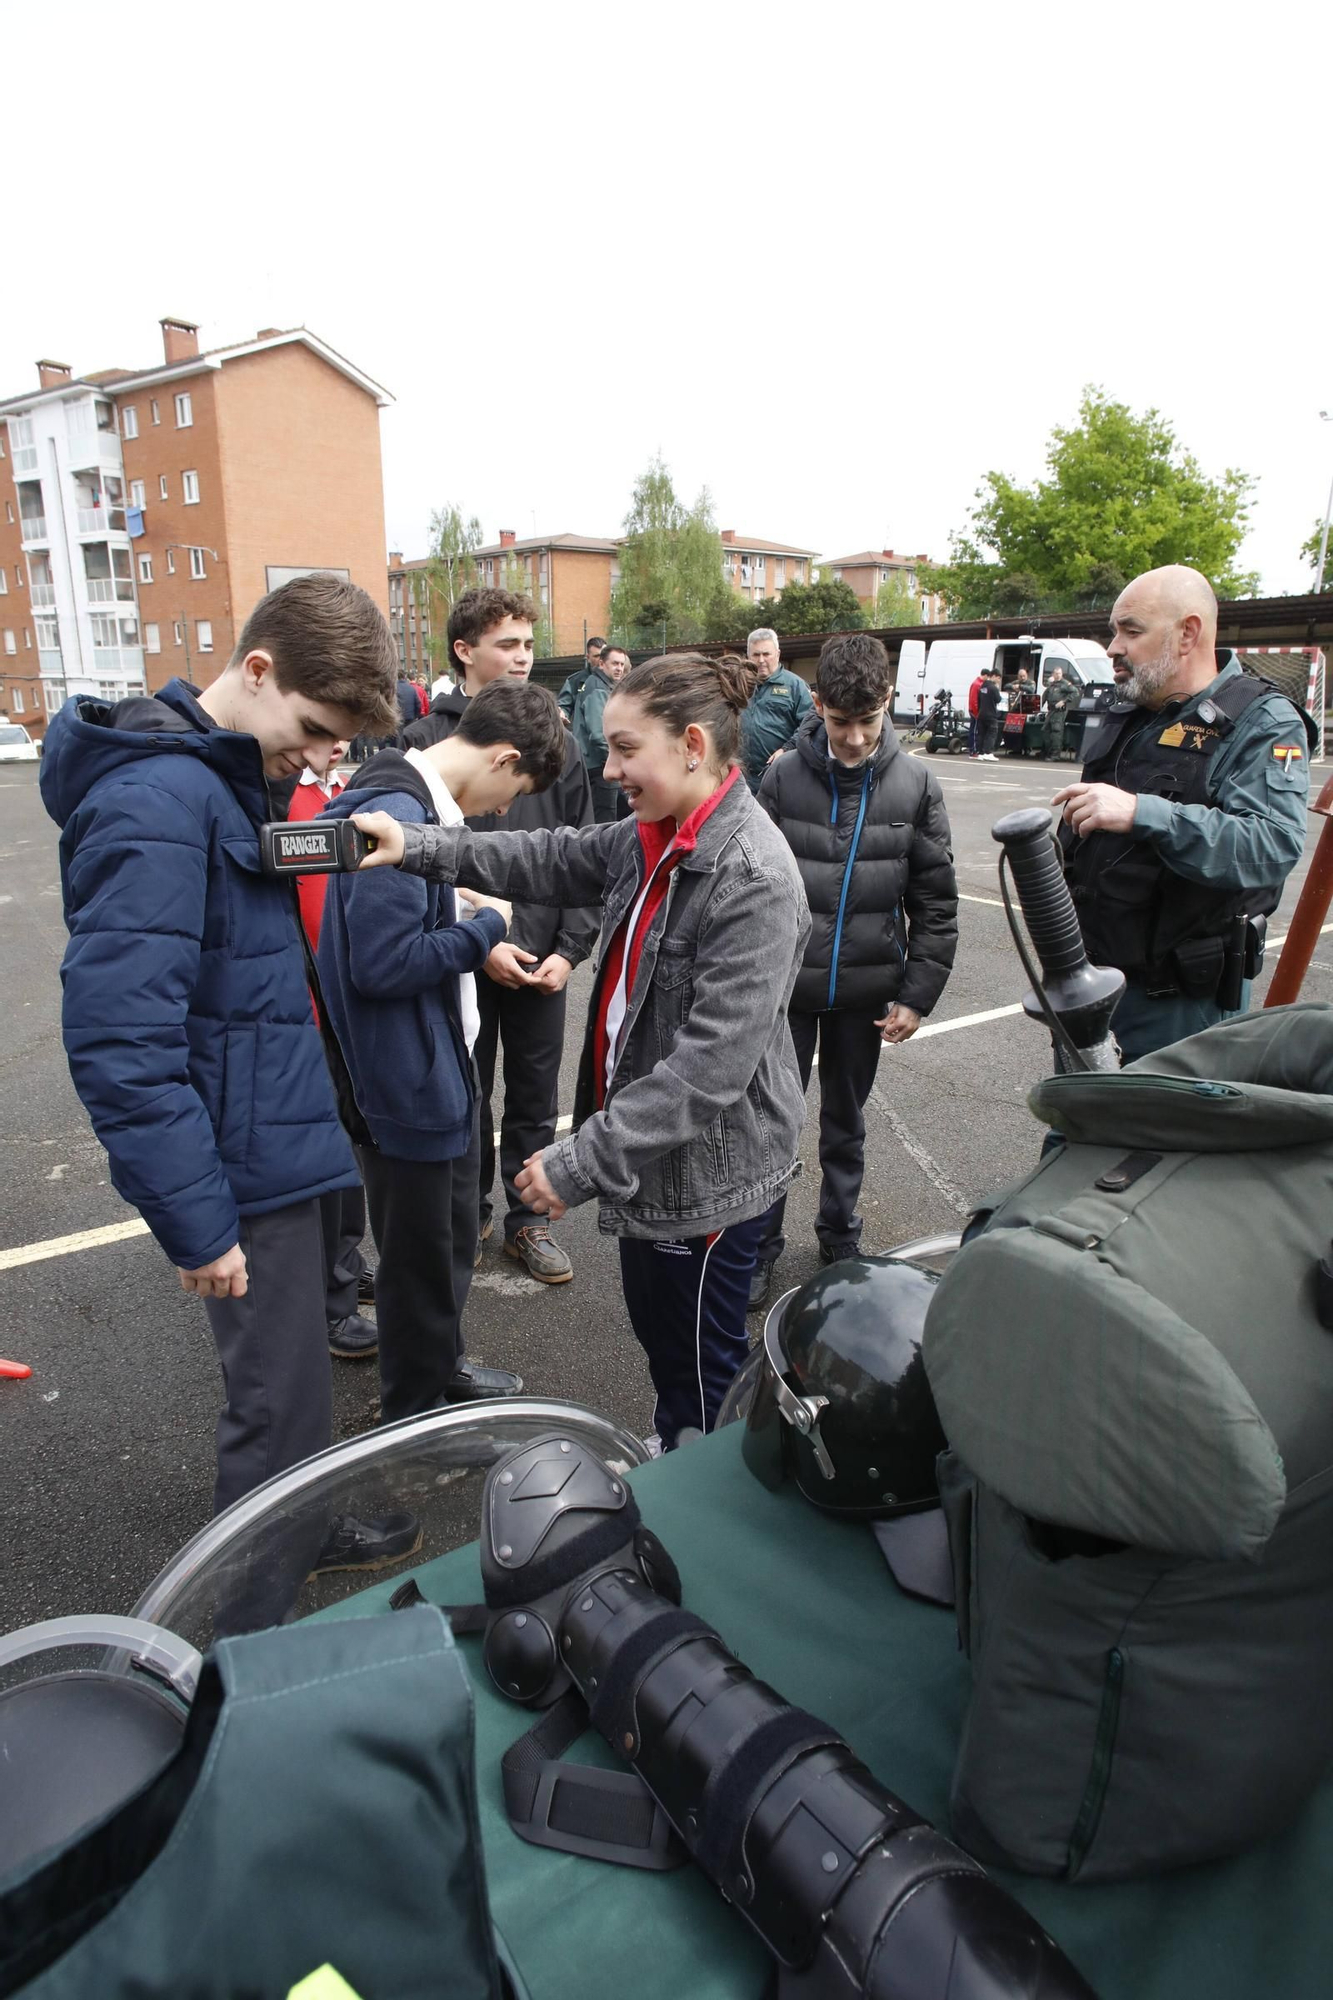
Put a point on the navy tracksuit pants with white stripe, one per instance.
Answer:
(687, 1298)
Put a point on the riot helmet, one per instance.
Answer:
(836, 1399)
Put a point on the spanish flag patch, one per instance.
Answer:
(1288, 750)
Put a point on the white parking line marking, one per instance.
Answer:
(62, 1246)
(120, 1232)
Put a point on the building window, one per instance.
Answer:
(153, 410)
(11, 643)
(136, 493)
(27, 638)
(162, 493)
(48, 635)
(9, 514)
(184, 412)
(145, 569)
(204, 627)
(19, 577)
(152, 638)
(4, 582)
(196, 564)
(190, 488)
(55, 695)
(171, 562)
(129, 422)
(176, 632)
(106, 416)
(104, 631)
(17, 697)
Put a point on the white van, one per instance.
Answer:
(951, 666)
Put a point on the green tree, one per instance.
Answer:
(1121, 496)
(825, 606)
(1310, 550)
(671, 584)
(895, 604)
(449, 569)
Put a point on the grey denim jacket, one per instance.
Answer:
(702, 1122)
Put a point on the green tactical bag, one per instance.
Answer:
(1138, 1393)
(321, 1810)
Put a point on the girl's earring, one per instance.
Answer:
(692, 764)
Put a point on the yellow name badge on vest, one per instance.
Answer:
(1188, 736)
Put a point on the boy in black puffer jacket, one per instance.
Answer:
(870, 835)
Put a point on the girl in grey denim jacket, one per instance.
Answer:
(689, 1106)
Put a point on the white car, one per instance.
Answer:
(16, 746)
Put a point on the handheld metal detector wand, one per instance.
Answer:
(1074, 998)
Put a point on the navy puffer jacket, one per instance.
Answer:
(874, 850)
(187, 1017)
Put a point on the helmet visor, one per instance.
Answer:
(775, 1411)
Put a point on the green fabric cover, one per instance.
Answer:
(1147, 1364)
(1276, 1072)
(808, 1604)
(330, 1776)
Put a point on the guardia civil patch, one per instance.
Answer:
(1288, 750)
(1187, 736)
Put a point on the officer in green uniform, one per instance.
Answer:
(1060, 695)
(776, 710)
(1189, 815)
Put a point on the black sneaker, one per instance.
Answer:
(761, 1284)
(838, 1253)
(378, 1544)
(354, 1338)
(474, 1384)
(365, 1287)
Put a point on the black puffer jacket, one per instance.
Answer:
(874, 850)
(568, 802)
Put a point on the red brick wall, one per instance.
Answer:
(164, 448)
(20, 671)
(301, 472)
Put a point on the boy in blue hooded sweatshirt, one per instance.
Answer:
(398, 976)
(187, 1020)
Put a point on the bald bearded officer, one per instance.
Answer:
(1188, 818)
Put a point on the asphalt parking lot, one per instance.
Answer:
(106, 1451)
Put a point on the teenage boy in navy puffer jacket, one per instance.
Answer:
(398, 969)
(871, 839)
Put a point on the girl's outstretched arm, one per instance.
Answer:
(560, 866)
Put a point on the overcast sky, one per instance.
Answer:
(835, 262)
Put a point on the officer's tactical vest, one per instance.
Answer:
(1133, 911)
(1138, 1394)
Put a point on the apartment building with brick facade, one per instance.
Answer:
(757, 568)
(866, 572)
(155, 507)
(569, 578)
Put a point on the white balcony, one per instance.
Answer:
(52, 663)
(94, 448)
(33, 528)
(43, 593)
(25, 460)
(110, 662)
(91, 520)
(110, 590)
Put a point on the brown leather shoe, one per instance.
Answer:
(536, 1249)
